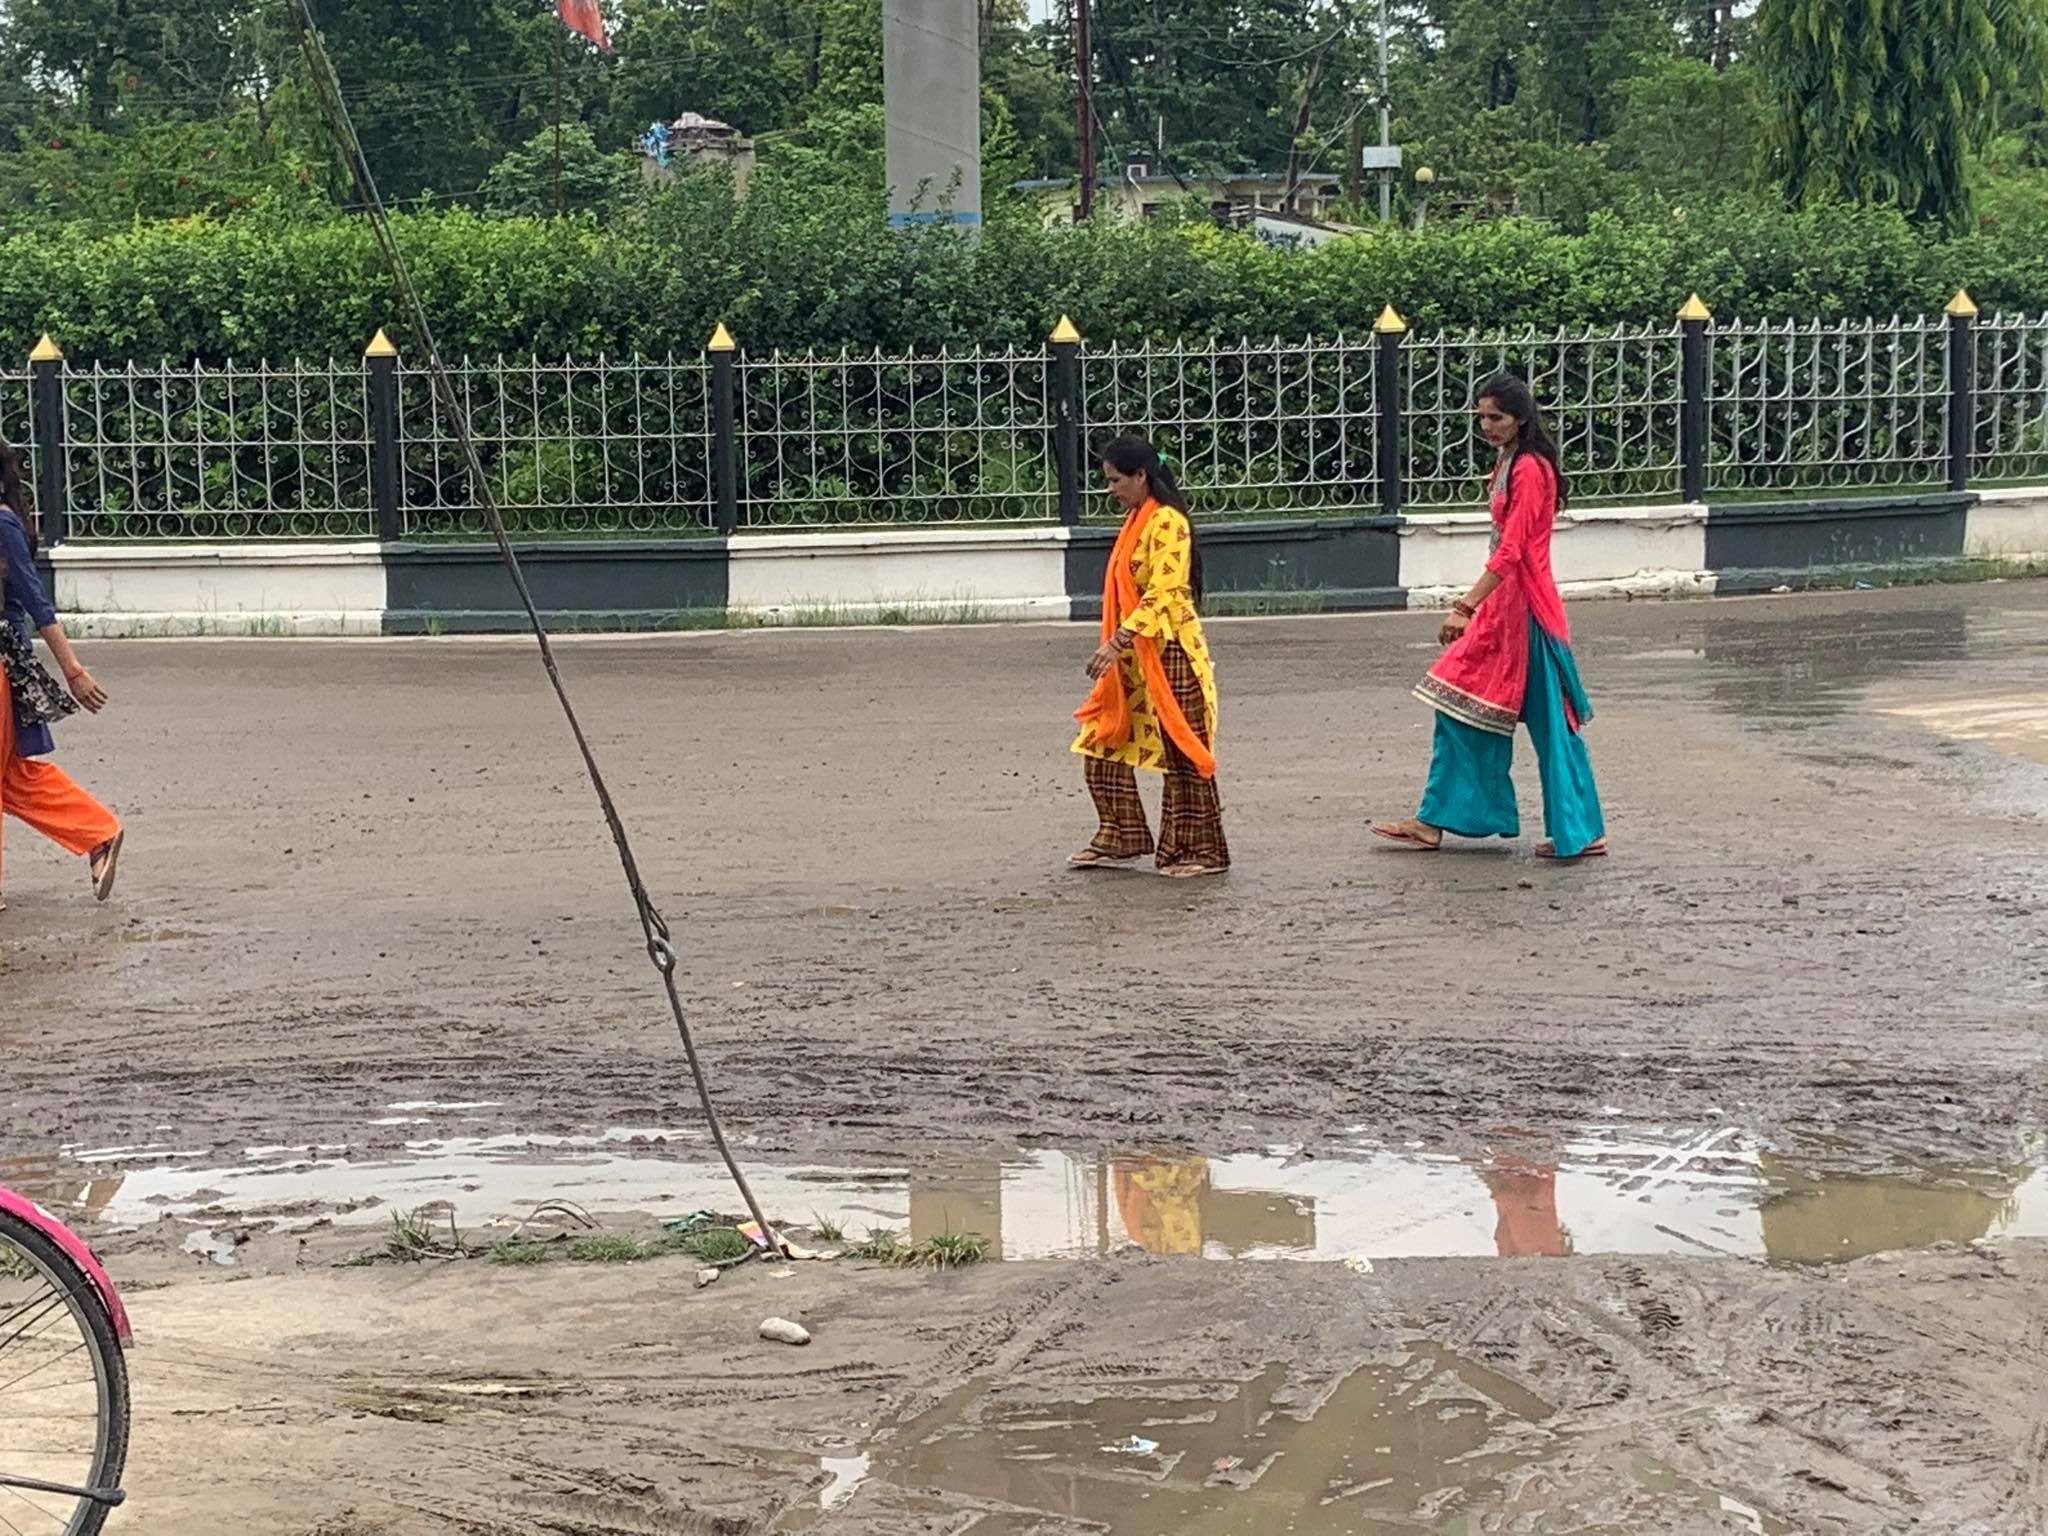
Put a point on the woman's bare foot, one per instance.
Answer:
(105, 864)
(1410, 834)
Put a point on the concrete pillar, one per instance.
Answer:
(931, 91)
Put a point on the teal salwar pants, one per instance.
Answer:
(1471, 790)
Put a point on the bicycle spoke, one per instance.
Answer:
(8, 1320)
(56, 1303)
(33, 1370)
(17, 1530)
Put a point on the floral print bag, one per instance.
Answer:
(39, 699)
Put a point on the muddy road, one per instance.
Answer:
(1701, 1189)
(365, 875)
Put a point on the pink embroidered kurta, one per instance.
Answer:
(1482, 676)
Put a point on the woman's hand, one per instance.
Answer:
(1107, 655)
(1454, 625)
(88, 693)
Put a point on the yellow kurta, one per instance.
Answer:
(1163, 568)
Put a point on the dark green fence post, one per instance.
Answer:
(1388, 332)
(1962, 388)
(725, 442)
(380, 357)
(53, 513)
(1066, 419)
(1692, 402)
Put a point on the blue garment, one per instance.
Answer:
(1471, 793)
(25, 605)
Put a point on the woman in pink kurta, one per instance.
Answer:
(1508, 659)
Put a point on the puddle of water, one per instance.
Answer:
(211, 1245)
(1429, 1443)
(2015, 722)
(1605, 1191)
(848, 1471)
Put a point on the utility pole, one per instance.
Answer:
(558, 123)
(1386, 124)
(1084, 110)
(1354, 179)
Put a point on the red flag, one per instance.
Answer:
(583, 16)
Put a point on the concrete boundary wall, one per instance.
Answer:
(985, 574)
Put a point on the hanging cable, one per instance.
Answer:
(660, 942)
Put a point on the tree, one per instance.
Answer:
(590, 179)
(1880, 102)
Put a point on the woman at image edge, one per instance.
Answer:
(40, 793)
(1154, 702)
(1509, 659)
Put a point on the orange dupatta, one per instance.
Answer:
(1108, 711)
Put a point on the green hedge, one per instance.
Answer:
(802, 268)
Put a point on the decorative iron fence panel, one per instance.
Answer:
(571, 450)
(218, 453)
(17, 418)
(1252, 429)
(1612, 400)
(2011, 437)
(862, 440)
(1853, 405)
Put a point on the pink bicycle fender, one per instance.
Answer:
(75, 1247)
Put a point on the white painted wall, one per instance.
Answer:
(113, 591)
(2009, 524)
(940, 573)
(1595, 551)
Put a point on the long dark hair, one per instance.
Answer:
(1131, 455)
(14, 491)
(1513, 396)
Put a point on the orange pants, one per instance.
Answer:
(48, 798)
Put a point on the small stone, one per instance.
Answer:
(780, 1330)
(1527, 885)
(705, 1277)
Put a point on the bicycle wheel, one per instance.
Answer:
(63, 1391)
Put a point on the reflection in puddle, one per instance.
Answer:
(1607, 1190)
(1428, 1443)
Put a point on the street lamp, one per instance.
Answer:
(1425, 178)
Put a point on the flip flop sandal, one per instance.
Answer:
(1590, 851)
(1192, 871)
(103, 876)
(1089, 858)
(1404, 839)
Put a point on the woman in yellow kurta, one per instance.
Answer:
(1154, 704)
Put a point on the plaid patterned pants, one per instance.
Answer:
(1191, 809)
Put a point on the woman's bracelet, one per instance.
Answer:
(74, 676)
(1464, 610)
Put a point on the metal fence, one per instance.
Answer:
(1280, 428)
(858, 440)
(1257, 429)
(605, 448)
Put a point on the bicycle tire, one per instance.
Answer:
(110, 1364)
